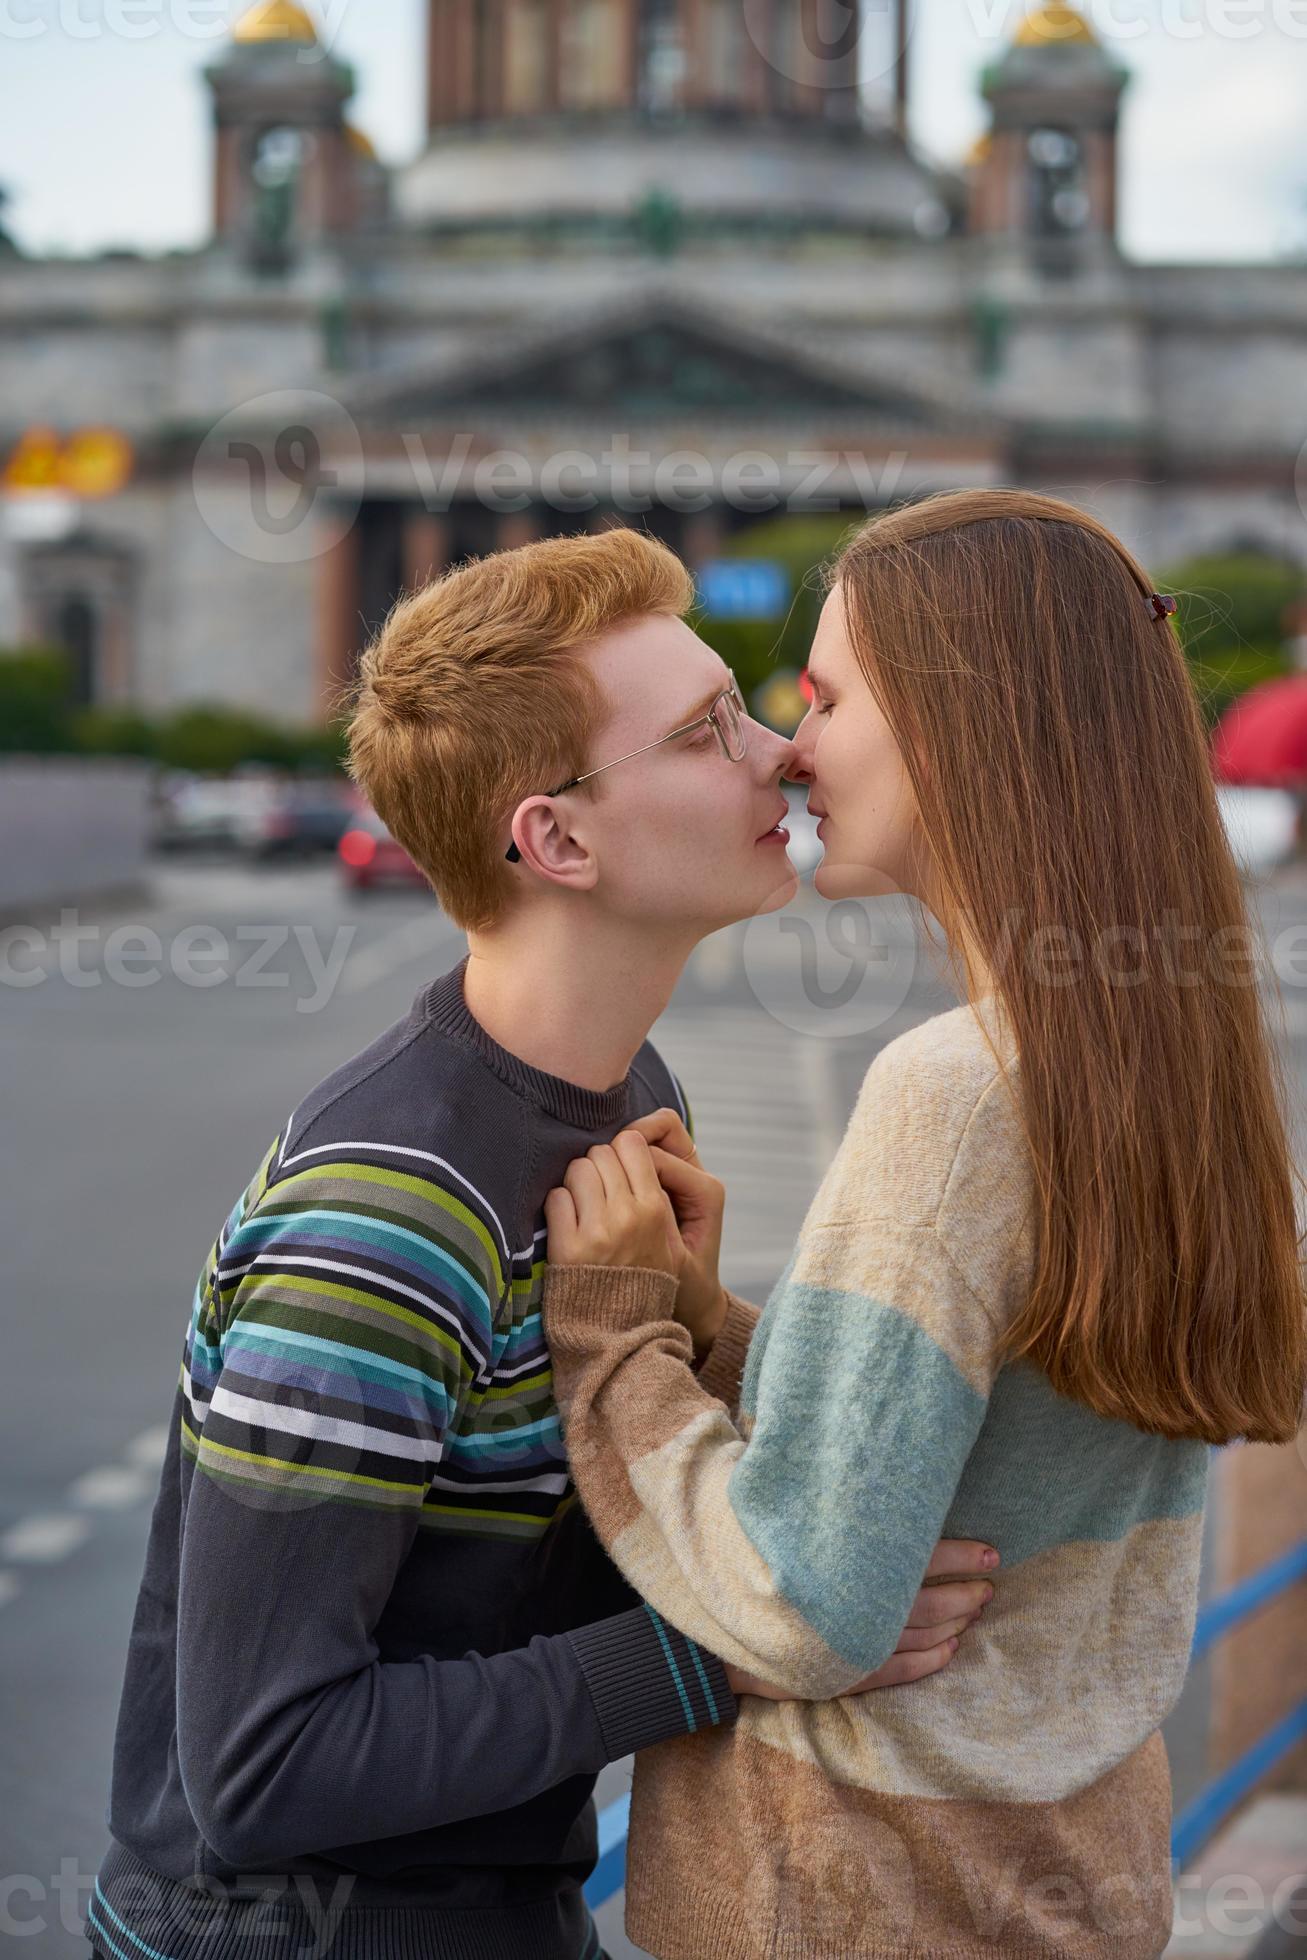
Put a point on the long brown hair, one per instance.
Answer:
(1057, 755)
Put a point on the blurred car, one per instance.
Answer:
(208, 812)
(1264, 825)
(297, 819)
(368, 855)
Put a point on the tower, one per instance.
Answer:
(289, 171)
(1045, 178)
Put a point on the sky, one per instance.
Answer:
(104, 135)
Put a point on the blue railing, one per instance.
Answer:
(1193, 1825)
(1203, 1814)
(609, 1875)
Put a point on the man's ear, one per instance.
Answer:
(549, 847)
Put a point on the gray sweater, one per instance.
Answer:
(378, 1654)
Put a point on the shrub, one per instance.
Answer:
(37, 717)
(34, 711)
(1233, 603)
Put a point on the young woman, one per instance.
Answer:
(1055, 1259)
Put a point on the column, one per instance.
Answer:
(339, 628)
(701, 536)
(425, 546)
(516, 527)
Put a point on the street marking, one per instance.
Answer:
(148, 1449)
(110, 1488)
(48, 1536)
(748, 1083)
(412, 940)
(43, 1538)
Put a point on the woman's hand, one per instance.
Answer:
(898, 1670)
(698, 1201)
(611, 1210)
(953, 1598)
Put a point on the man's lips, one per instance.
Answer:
(777, 825)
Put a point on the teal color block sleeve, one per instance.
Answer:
(793, 1542)
(864, 1421)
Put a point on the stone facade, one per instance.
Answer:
(634, 279)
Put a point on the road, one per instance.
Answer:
(145, 1074)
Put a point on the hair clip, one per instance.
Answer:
(1162, 604)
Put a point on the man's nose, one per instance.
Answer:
(784, 759)
(798, 769)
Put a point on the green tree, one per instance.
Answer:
(755, 648)
(1232, 622)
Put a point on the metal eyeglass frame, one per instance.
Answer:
(733, 690)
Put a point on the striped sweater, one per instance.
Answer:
(379, 1655)
(1017, 1803)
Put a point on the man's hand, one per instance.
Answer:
(698, 1201)
(951, 1600)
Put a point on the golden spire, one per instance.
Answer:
(1055, 25)
(275, 20)
(361, 144)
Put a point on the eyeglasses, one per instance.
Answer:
(726, 717)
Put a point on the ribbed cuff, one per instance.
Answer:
(649, 1682)
(609, 1297)
(722, 1368)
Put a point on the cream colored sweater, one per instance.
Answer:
(1018, 1803)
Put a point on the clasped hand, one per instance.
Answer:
(646, 1200)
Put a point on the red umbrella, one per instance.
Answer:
(1262, 737)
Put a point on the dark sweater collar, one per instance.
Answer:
(585, 1109)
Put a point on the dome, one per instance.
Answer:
(360, 144)
(1055, 25)
(275, 20)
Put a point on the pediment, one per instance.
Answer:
(635, 368)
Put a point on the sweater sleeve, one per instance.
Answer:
(794, 1543)
(344, 1319)
(721, 1372)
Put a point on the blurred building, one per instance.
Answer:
(674, 262)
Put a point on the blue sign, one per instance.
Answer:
(743, 588)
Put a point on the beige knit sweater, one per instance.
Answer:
(1018, 1803)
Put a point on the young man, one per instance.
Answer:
(379, 1656)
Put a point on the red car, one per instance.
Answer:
(368, 855)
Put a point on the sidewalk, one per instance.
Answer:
(1244, 1895)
